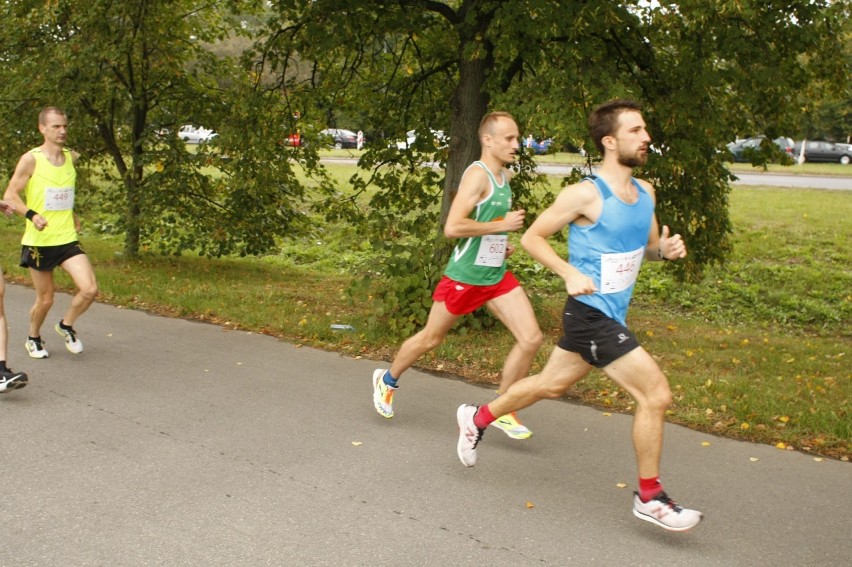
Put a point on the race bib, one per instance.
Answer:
(619, 271)
(59, 198)
(492, 250)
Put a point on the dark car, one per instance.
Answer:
(817, 150)
(740, 150)
(341, 138)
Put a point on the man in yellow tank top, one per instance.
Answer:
(47, 178)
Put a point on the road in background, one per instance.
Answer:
(771, 179)
(176, 443)
(832, 182)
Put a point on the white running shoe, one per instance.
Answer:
(382, 394)
(35, 348)
(72, 343)
(469, 434)
(663, 511)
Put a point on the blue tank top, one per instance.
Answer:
(611, 250)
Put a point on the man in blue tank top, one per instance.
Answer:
(613, 228)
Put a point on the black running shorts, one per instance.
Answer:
(46, 258)
(597, 338)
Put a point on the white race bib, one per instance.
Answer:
(619, 271)
(58, 198)
(492, 250)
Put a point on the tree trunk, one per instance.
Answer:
(469, 105)
(133, 180)
(131, 237)
(133, 185)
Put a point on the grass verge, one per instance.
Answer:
(758, 351)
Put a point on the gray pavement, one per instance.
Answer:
(171, 442)
(800, 181)
(796, 180)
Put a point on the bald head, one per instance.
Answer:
(47, 111)
(490, 120)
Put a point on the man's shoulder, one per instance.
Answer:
(585, 187)
(644, 184)
(476, 177)
(29, 158)
(647, 187)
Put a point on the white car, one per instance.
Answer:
(192, 135)
(440, 140)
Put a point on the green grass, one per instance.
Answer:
(803, 169)
(758, 350)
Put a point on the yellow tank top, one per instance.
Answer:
(50, 193)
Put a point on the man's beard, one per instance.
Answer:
(632, 161)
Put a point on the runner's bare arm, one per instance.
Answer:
(660, 245)
(474, 187)
(573, 203)
(23, 171)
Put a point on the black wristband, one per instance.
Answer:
(30, 214)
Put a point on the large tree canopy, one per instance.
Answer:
(131, 72)
(706, 72)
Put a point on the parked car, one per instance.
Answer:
(294, 139)
(438, 137)
(817, 150)
(341, 138)
(572, 149)
(739, 153)
(540, 146)
(192, 135)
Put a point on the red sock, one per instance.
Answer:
(483, 417)
(649, 487)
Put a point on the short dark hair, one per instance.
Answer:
(603, 121)
(488, 121)
(42, 116)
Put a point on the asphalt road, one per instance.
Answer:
(170, 442)
(831, 182)
(836, 183)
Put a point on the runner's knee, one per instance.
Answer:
(44, 301)
(548, 389)
(531, 342)
(659, 398)
(428, 340)
(536, 340)
(89, 292)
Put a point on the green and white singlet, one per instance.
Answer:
(481, 260)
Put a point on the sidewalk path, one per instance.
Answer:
(175, 443)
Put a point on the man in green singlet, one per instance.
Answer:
(47, 177)
(480, 217)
